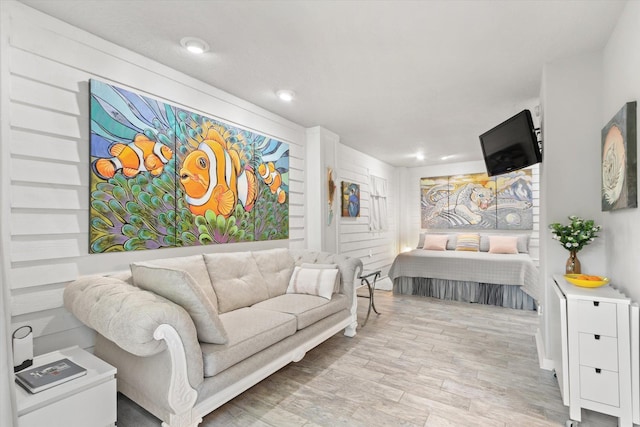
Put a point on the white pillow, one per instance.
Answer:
(313, 281)
(179, 287)
(503, 244)
(336, 287)
(435, 242)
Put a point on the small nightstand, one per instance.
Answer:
(89, 400)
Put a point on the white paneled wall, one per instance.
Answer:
(377, 250)
(45, 129)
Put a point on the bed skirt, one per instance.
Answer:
(482, 293)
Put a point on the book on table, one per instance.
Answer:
(46, 376)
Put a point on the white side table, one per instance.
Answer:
(89, 400)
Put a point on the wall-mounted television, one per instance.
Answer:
(511, 145)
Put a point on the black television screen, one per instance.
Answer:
(511, 145)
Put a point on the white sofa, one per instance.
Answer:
(208, 327)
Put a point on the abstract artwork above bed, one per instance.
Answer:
(164, 176)
(477, 201)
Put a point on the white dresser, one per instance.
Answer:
(595, 372)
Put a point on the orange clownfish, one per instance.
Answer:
(213, 179)
(138, 156)
(273, 179)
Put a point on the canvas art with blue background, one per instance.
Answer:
(164, 176)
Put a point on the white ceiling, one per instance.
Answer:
(390, 77)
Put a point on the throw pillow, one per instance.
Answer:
(313, 281)
(468, 242)
(336, 287)
(435, 242)
(503, 244)
(179, 287)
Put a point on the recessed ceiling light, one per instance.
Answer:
(194, 45)
(420, 156)
(286, 95)
(447, 157)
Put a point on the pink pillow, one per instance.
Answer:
(503, 244)
(435, 242)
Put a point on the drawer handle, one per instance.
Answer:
(596, 303)
(597, 337)
(598, 370)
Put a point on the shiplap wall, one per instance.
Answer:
(45, 128)
(377, 250)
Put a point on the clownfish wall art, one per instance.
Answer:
(213, 179)
(164, 176)
(141, 155)
(273, 179)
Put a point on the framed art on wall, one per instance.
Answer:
(619, 160)
(350, 199)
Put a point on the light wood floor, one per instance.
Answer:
(422, 362)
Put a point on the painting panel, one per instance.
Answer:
(197, 180)
(434, 202)
(514, 200)
(476, 201)
(350, 199)
(619, 160)
(132, 182)
(472, 201)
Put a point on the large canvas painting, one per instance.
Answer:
(477, 201)
(619, 161)
(163, 176)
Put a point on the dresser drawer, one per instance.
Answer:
(600, 352)
(597, 318)
(599, 387)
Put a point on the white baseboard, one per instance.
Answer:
(546, 364)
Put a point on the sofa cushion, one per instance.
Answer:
(308, 309)
(195, 266)
(236, 280)
(276, 266)
(250, 330)
(313, 281)
(179, 287)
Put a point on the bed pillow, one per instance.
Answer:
(435, 242)
(523, 243)
(313, 281)
(468, 242)
(179, 287)
(503, 244)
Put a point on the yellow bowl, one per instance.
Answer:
(574, 278)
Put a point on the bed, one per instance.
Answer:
(508, 280)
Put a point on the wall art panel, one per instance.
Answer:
(477, 201)
(619, 160)
(350, 199)
(163, 176)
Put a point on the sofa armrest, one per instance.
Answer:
(129, 317)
